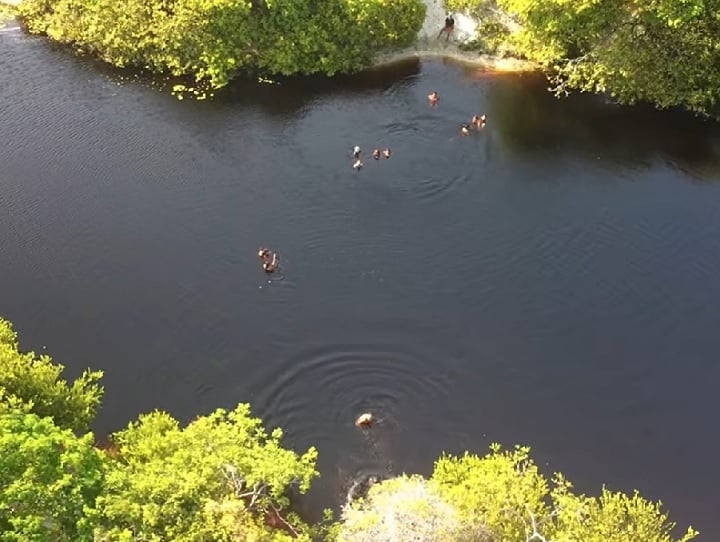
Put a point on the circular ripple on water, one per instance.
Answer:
(320, 393)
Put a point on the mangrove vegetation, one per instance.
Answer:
(214, 40)
(665, 52)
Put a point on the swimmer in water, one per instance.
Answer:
(386, 153)
(376, 154)
(465, 129)
(358, 164)
(356, 152)
(364, 420)
(264, 253)
(269, 266)
(433, 98)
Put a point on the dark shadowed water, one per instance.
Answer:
(552, 280)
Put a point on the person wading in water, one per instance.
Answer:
(448, 28)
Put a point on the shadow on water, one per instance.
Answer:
(288, 95)
(283, 96)
(531, 120)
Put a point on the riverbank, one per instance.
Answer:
(430, 45)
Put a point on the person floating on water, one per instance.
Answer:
(480, 121)
(271, 265)
(376, 154)
(386, 153)
(448, 28)
(433, 98)
(269, 259)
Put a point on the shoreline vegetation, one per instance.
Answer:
(224, 478)
(664, 53)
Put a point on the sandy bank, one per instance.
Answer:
(428, 44)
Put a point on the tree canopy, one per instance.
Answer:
(49, 479)
(221, 478)
(33, 383)
(499, 497)
(666, 52)
(213, 40)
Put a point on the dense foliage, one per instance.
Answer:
(501, 497)
(405, 508)
(219, 479)
(49, 479)
(666, 52)
(213, 40)
(32, 383)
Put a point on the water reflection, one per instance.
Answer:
(532, 121)
(288, 95)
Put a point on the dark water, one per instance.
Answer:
(550, 281)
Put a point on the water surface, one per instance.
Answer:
(550, 281)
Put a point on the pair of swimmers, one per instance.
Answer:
(269, 260)
(476, 122)
(375, 154)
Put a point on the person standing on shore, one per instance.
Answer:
(448, 28)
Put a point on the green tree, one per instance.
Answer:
(221, 478)
(405, 509)
(501, 497)
(666, 52)
(611, 517)
(495, 492)
(214, 40)
(35, 382)
(49, 479)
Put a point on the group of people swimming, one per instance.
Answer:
(376, 153)
(477, 122)
(269, 259)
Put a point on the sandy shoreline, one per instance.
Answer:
(428, 45)
(473, 58)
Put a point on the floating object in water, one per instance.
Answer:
(270, 267)
(270, 264)
(364, 420)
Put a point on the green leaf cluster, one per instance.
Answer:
(49, 479)
(218, 479)
(405, 508)
(500, 497)
(34, 384)
(666, 52)
(214, 40)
